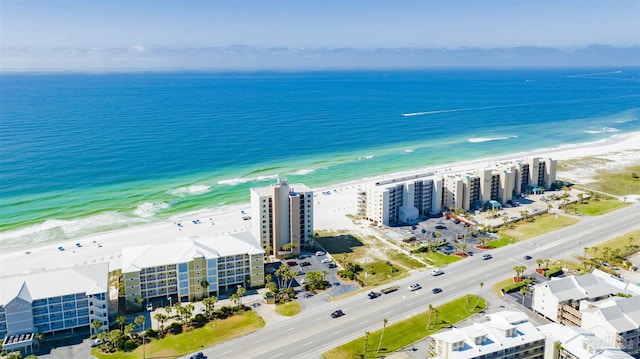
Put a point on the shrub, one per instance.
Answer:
(199, 320)
(130, 344)
(151, 333)
(175, 328)
(516, 287)
(553, 272)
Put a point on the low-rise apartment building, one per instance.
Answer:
(570, 342)
(53, 301)
(617, 319)
(504, 334)
(559, 299)
(190, 269)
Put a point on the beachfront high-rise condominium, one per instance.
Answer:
(190, 269)
(282, 216)
(52, 301)
(405, 199)
(504, 334)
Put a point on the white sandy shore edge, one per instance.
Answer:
(330, 211)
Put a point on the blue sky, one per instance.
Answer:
(99, 27)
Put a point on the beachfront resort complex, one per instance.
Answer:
(405, 199)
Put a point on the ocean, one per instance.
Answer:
(86, 153)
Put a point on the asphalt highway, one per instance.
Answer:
(312, 332)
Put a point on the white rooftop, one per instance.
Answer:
(495, 341)
(581, 343)
(293, 187)
(590, 285)
(90, 279)
(186, 249)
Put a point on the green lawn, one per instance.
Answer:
(289, 309)
(618, 183)
(599, 207)
(404, 260)
(398, 335)
(542, 224)
(438, 259)
(212, 333)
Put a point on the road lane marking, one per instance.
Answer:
(227, 352)
(315, 320)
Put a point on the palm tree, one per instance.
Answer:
(546, 263)
(519, 270)
(160, 318)
(241, 292)
(209, 305)
(235, 298)
(39, 337)
(120, 320)
(384, 325)
(169, 310)
(96, 325)
(188, 311)
(480, 296)
(505, 219)
(178, 307)
(140, 320)
(129, 329)
(205, 287)
(524, 290)
(366, 343)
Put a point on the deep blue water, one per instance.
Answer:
(90, 152)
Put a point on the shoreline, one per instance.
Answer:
(330, 213)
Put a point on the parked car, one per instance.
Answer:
(331, 265)
(326, 260)
(436, 290)
(320, 253)
(373, 295)
(305, 264)
(441, 227)
(436, 272)
(292, 263)
(486, 256)
(95, 342)
(337, 314)
(415, 286)
(149, 307)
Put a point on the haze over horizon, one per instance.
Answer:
(293, 34)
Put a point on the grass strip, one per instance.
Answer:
(399, 335)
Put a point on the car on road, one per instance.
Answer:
(198, 355)
(436, 272)
(292, 263)
(305, 264)
(61, 248)
(374, 295)
(326, 260)
(320, 253)
(486, 256)
(527, 257)
(149, 307)
(337, 314)
(436, 290)
(441, 227)
(415, 286)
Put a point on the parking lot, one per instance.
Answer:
(305, 299)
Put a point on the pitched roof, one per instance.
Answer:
(90, 279)
(186, 249)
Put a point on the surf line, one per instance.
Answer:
(507, 106)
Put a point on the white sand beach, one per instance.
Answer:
(331, 211)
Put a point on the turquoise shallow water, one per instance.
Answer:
(84, 153)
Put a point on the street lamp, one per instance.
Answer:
(169, 297)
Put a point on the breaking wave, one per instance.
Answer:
(489, 139)
(149, 209)
(190, 190)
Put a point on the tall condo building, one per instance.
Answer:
(282, 216)
(405, 199)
